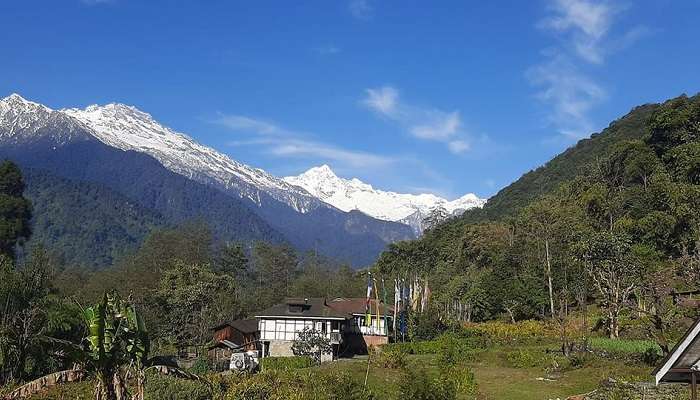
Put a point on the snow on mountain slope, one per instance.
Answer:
(23, 120)
(353, 194)
(128, 128)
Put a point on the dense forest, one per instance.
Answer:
(613, 221)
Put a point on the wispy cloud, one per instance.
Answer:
(275, 140)
(327, 50)
(361, 9)
(422, 123)
(585, 22)
(585, 28)
(570, 94)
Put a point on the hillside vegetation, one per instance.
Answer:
(615, 220)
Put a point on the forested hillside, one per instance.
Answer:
(85, 223)
(614, 220)
(566, 166)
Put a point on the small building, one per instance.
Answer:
(231, 337)
(280, 324)
(682, 364)
(374, 332)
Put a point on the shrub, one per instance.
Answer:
(285, 363)
(526, 358)
(652, 355)
(299, 385)
(451, 350)
(311, 343)
(159, 387)
(463, 379)
(506, 333)
(392, 358)
(417, 385)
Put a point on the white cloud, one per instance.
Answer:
(422, 123)
(570, 94)
(458, 146)
(275, 140)
(327, 50)
(382, 100)
(440, 126)
(586, 21)
(348, 158)
(243, 123)
(585, 26)
(361, 9)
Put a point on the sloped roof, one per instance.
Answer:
(249, 325)
(356, 305)
(315, 307)
(682, 360)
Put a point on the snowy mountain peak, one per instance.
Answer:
(128, 128)
(353, 194)
(20, 104)
(24, 120)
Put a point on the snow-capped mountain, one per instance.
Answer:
(126, 150)
(128, 128)
(353, 194)
(26, 121)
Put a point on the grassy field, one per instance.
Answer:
(498, 379)
(517, 371)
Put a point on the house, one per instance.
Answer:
(682, 364)
(280, 324)
(232, 337)
(374, 332)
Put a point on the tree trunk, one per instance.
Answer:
(549, 278)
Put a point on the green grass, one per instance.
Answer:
(623, 346)
(498, 380)
(497, 375)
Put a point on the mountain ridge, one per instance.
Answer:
(353, 194)
(137, 151)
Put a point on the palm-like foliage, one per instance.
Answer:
(114, 351)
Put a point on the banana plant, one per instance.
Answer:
(114, 351)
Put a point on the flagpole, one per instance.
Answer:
(386, 321)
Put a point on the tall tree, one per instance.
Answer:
(15, 210)
(614, 272)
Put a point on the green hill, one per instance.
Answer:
(566, 165)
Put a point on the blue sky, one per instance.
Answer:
(446, 96)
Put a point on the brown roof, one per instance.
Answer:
(249, 325)
(315, 307)
(356, 305)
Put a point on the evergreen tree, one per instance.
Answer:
(15, 210)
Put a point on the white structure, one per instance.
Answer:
(280, 325)
(682, 364)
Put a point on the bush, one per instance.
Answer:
(285, 363)
(159, 387)
(526, 358)
(506, 333)
(392, 358)
(415, 384)
(299, 385)
(451, 350)
(652, 355)
(463, 379)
